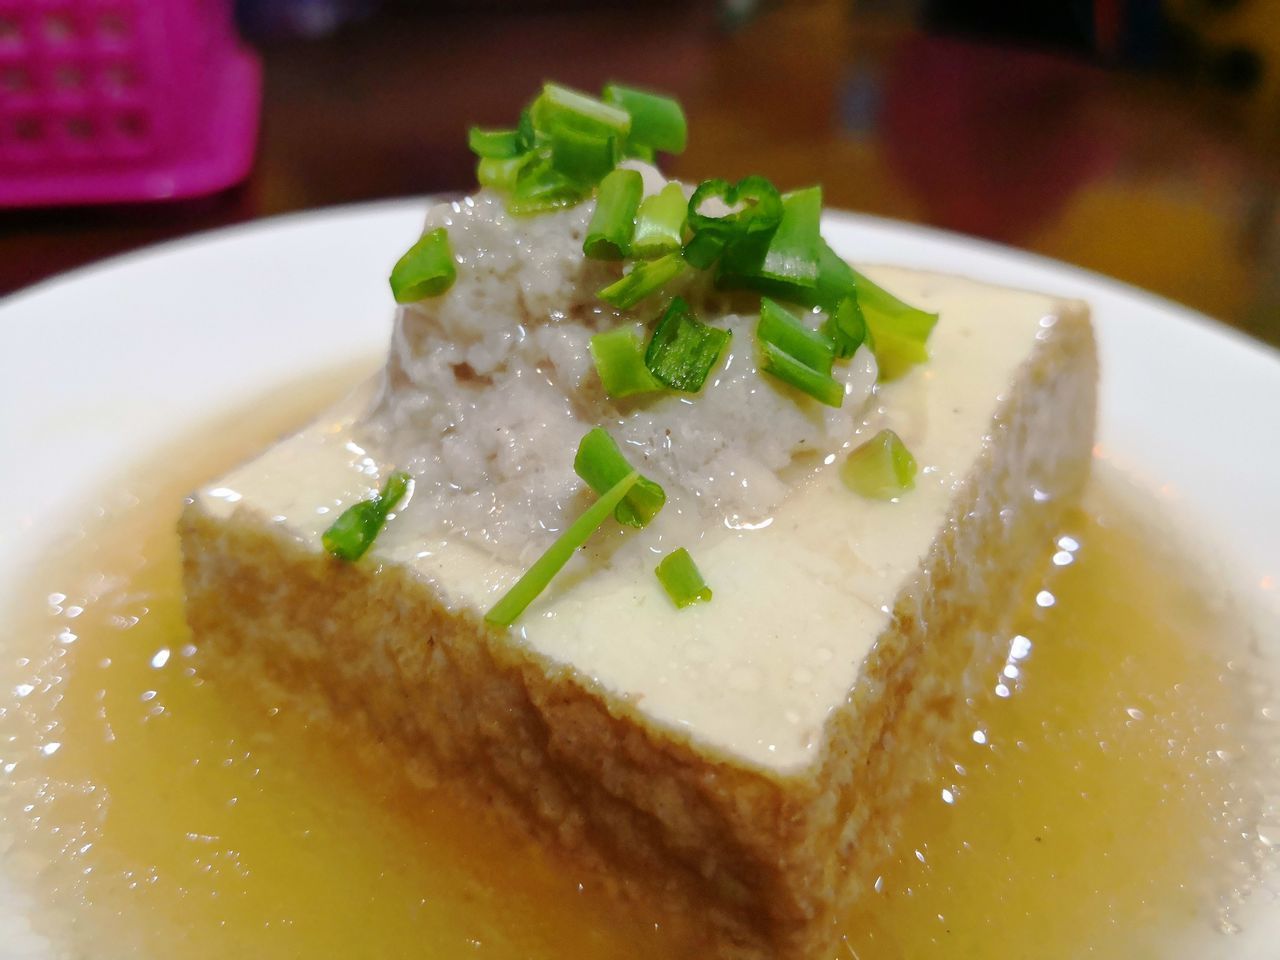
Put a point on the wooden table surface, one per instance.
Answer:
(1153, 180)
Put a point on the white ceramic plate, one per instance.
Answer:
(103, 367)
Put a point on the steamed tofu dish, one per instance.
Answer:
(677, 536)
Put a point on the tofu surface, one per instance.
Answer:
(754, 745)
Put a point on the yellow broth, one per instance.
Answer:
(1093, 798)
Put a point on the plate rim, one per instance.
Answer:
(844, 218)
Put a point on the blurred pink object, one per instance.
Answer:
(109, 101)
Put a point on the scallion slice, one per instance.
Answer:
(882, 468)
(835, 280)
(742, 234)
(425, 270)
(895, 354)
(638, 151)
(352, 534)
(644, 279)
(539, 187)
(495, 144)
(583, 157)
(792, 256)
(781, 328)
(656, 121)
(872, 296)
(499, 174)
(535, 579)
(897, 331)
(524, 128)
(683, 349)
(682, 580)
(846, 328)
(704, 249)
(754, 211)
(660, 223)
(822, 387)
(614, 220)
(558, 109)
(619, 360)
(601, 464)
(753, 204)
(789, 278)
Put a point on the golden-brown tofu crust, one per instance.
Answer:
(773, 863)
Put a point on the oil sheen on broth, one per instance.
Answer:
(1096, 794)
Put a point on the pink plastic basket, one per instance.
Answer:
(105, 101)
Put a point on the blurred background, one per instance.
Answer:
(1139, 138)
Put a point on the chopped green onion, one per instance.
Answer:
(495, 144)
(565, 143)
(703, 249)
(882, 468)
(835, 281)
(681, 579)
(644, 279)
(528, 136)
(656, 121)
(895, 354)
(760, 214)
(797, 355)
(619, 359)
(715, 189)
(872, 296)
(535, 579)
(638, 151)
(501, 174)
(539, 187)
(831, 282)
(583, 157)
(755, 209)
(545, 201)
(683, 349)
(559, 108)
(660, 223)
(425, 270)
(614, 219)
(353, 533)
(792, 256)
(846, 328)
(782, 329)
(601, 464)
(753, 204)
(822, 387)
(897, 331)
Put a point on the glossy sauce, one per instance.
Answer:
(1097, 796)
